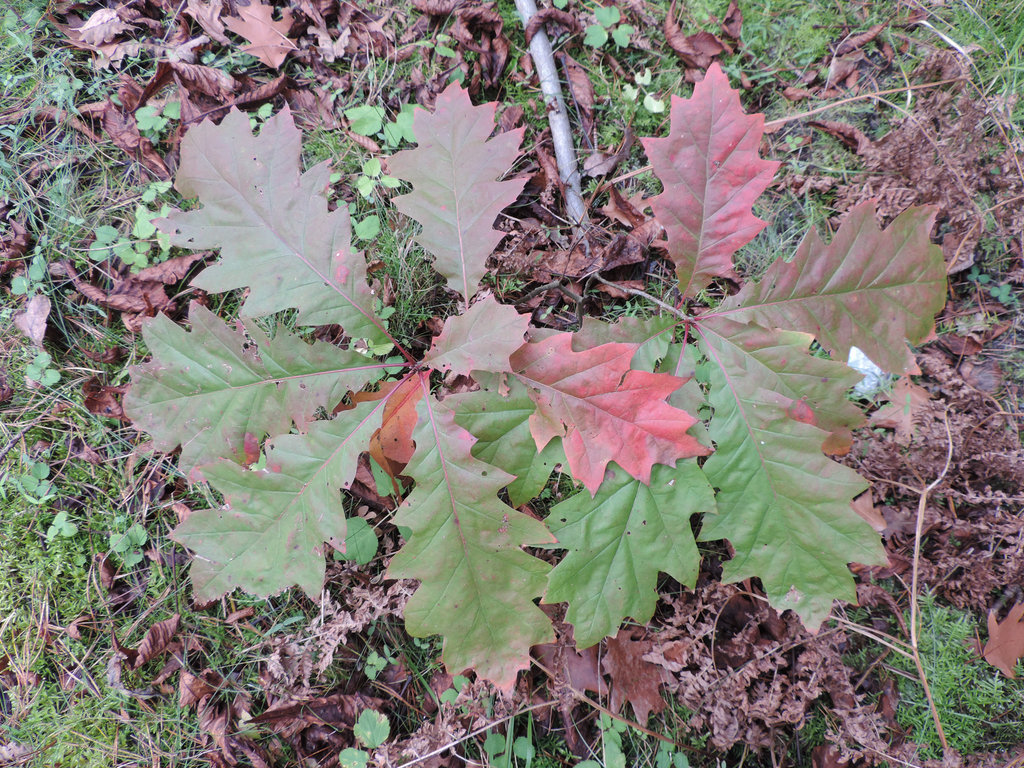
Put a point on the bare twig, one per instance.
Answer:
(643, 294)
(558, 119)
(918, 529)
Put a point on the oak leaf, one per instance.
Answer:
(271, 532)
(619, 541)
(782, 504)
(208, 389)
(712, 175)
(870, 288)
(272, 224)
(456, 196)
(481, 339)
(268, 39)
(603, 410)
(483, 603)
(498, 416)
(1005, 646)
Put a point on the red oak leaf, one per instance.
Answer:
(712, 176)
(604, 410)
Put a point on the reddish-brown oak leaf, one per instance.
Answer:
(871, 288)
(712, 175)
(391, 446)
(479, 340)
(603, 410)
(456, 196)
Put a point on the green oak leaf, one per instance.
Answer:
(619, 540)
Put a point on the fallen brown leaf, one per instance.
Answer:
(854, 42)
(268, 39)
(555, 22)
(156, 640)
(732, 24)
(32, 320)
(906, 401)
(696, 51)
(1005, 645)
(634, 679)
(102, 400)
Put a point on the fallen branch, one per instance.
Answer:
(558, 119)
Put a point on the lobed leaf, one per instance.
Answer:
(211, 389)
(870, 288)
(481, 339)
(271, 532)
(619, 541)
(271, 222)
(712, 175)
(498, 416)
(477, 585)
(782, 504)
(455, 196)
(603, 410)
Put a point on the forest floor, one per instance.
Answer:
(105, 657)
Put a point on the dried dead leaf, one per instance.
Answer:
(864, 506)
(696, 51)
(732, 24)
(207, 14)
(1005, 645)
(555, 22)
(906, 401)
(102, 400)
(156, 640)
(268, 39)
(634, 679)
(854, 42)
(32, 320)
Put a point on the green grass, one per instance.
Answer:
(980, 709)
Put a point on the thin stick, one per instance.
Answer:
(643, 294)
(922, 502)
(558, 119)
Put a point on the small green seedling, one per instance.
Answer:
(261, 115)
(372, 729)
(61, 526)
(651, 103)
(39, 370)
(32, 280)
(375, 663)
(136, 250)
(371, 121)
(152, 122)
(458, 683)
(1001, 292)
(360, 542)
(128, 545)
(33, 484)
(608, 26)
